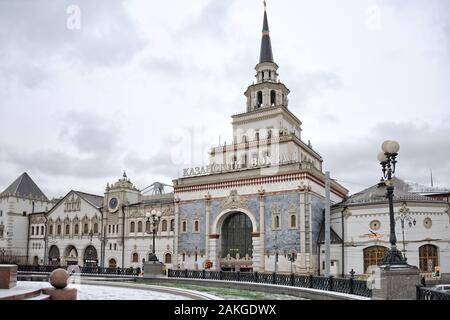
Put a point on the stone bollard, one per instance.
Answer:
(59, 279)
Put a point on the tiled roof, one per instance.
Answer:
(24, 186)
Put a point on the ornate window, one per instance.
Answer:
(184, 226)
(196, 226)
(428, 258)
(375, 225)
(168, 258)
(259, 99)
(85, 229)
(139, 226)
(147, 226)
(172, 225)
(276, 222)
(373, 256)
(273, 98)
(58, 230)
(95, 227)
(293, 221)
(77, 229)
(237, 235)
(67, 229)
(164, 225)
(50, 231)
(135, 257)
(132, 226)
(427, 222)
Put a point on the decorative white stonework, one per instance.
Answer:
(234, 201)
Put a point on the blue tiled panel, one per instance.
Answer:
(317, 206)
(188, 241)
(284, 239)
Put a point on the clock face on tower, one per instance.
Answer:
(113, 204)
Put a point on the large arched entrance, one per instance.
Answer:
(90, 256)
(53, 256)
(428, 258)
(236, 242)
(71, 256)
(373, 256)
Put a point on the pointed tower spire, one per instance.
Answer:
(266, 45)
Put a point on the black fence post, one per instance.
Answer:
(203, 274)
(220, 274)
(255, 275)
(238, 276)
(186, 273)
(330, 283)
(292, 280)
(418, 291)
(351, 285)
(311, 278)
(274, 278)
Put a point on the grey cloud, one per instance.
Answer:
(159, 164)
(423, 146)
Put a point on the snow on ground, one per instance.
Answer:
(93, 292)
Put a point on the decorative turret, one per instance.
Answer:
(268, 90)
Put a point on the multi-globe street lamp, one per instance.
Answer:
(388, 159)
(402, 217)
(153, 218)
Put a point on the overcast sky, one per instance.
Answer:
(148, 86)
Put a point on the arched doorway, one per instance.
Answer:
(167, 258)
(112, 263)
(90, 256)
(53, 256)
(71, 256)
(236, 241)
(373, 256)
(35, 260)
(428, 258)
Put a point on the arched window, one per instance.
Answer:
(77, 229)
(276, 222)
(184, 227)
(373, 256)
(168, 258)
(293, 221)
(257, 136)
(67, 229)
(32, 231)
(50, 231)
(269, 134)
(42, 230)
(244, 138)
(135, 257)
(132, 226)
(58, 230)
(428, 258)
(184, 256)
(147, 226)
(95, 227)
(273, 98)
(196, 229)
(85, 228)
(140, 226)
(112, 263)
(172, 225)
(164, 225)
(259, 99)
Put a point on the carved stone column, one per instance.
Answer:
(176, 231)
(262, 232)
(207, 226)
(302, 206)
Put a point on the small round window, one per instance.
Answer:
(427, 223)
(375, 225)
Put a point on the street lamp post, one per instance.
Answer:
(404, 216)
(153, 217)
(388, 159)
